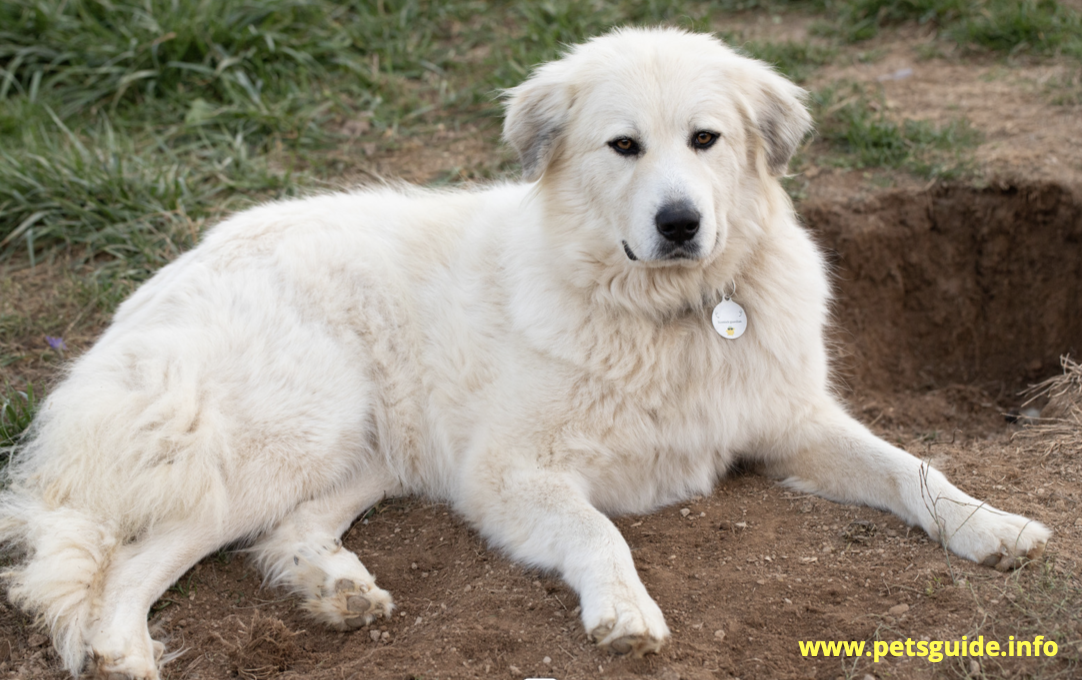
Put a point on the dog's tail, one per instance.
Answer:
(61, 557)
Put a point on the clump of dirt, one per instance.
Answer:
(955, 284)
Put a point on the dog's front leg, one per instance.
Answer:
(832, 455)
(545, 520)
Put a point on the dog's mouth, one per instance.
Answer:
(670, 254)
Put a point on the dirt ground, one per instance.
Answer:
(951, 298)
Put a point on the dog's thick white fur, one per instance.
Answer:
(540, 355)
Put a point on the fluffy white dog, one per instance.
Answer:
(540, 355)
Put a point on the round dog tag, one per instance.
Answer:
(729, 319)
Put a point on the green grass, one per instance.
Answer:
(867, 137)
(102, 197)
(796, 60)
(1034, 26)
(17, 409)
(862, 19)
(1008, 26)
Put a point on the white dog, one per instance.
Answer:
(540, 355)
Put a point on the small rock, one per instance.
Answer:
(684, 512)
(514, 670)
(385, 636)
(413, 566)
(898, 609)
(726, 526)
(36, 640)
(719, 634)
(468, 588)
(547, 660)
(974, 667)
(374, 634)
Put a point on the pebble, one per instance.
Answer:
(974, 667)
(719, 634)
(547, 660)
(898, 609)
(468, 588)
(684, 512)
(374, 634)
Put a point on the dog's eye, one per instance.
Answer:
(625, 146)
(704, 139)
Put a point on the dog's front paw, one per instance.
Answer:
(626, 625)
(999, 539)
(347, 604)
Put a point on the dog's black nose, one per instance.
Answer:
(677, 222)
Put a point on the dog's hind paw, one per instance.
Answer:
(350, 604)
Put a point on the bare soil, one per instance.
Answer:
(951, 297)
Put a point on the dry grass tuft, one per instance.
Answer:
(1061, 418)
(265, 649)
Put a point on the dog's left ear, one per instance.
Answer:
(537, 114)
(779, 116)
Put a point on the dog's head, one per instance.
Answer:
(649, 138)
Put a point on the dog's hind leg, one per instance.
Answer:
(304, 554)
(120, 644)
(832, 455)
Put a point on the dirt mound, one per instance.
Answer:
(955, 284)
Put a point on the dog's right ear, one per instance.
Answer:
(537, 114)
